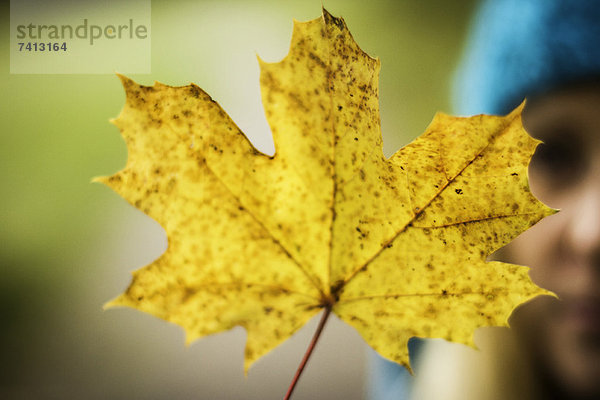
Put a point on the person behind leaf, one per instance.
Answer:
(547, 51)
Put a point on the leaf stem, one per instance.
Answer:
(309, 351)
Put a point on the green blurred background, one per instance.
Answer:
(67, 246)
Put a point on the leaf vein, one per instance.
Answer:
(439, 192)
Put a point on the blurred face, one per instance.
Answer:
(564, 249)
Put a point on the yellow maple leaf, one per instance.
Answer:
(396, 247)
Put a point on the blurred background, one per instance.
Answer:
(67, 246)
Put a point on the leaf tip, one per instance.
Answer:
(190, 337)
(116, 302)
(99, 179)
(160, 85)
(247, 365)
(115, 121)
(125, 81)
(551, 211)
(548, 293)
(331, 20)
(110, 181)
(261, 62)
(250, 357)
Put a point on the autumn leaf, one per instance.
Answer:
(395, 247)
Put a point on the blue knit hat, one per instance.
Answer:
(523, 48)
